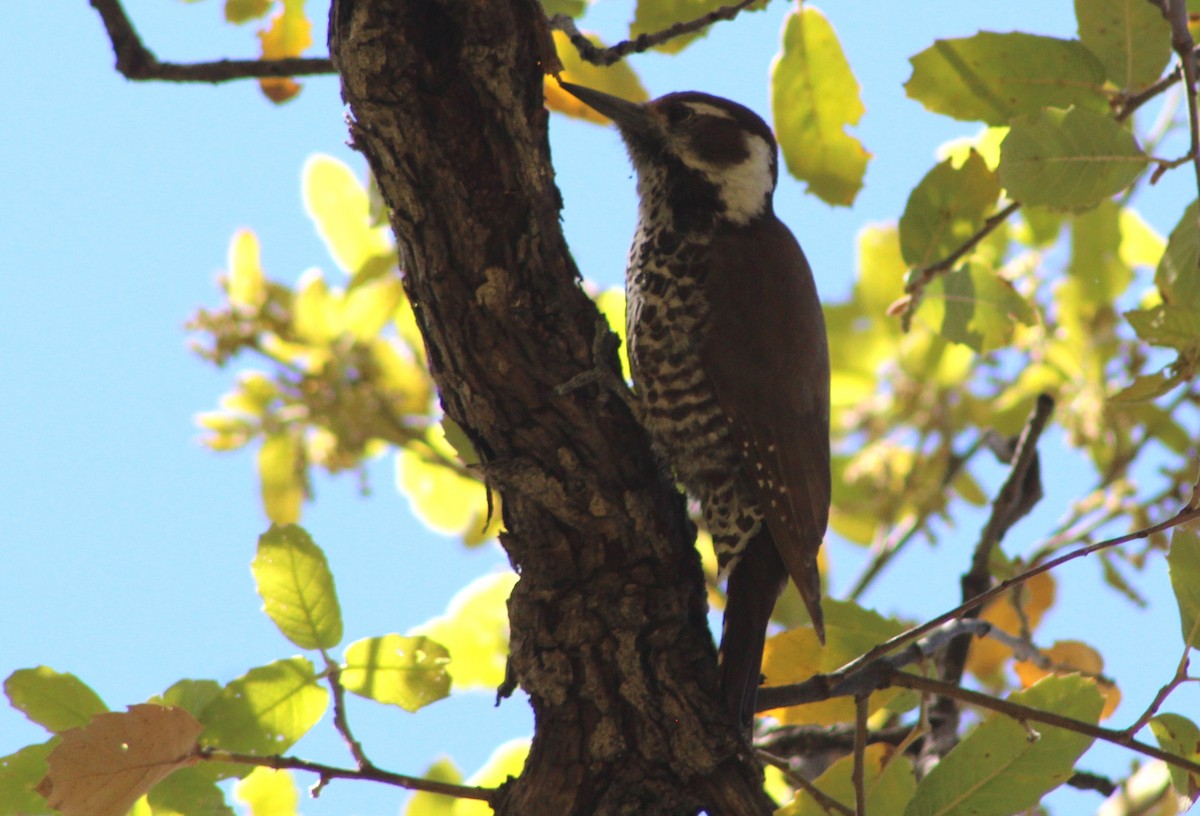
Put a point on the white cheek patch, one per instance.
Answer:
(745, 187)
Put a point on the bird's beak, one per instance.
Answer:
(633, 119)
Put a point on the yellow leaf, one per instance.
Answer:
(617, 79)
(317, 311)
(279, 471)
(1067, 657)
(795, 655)
(444, 500)
(507, 760)
(475, 631)
(268, 792)
(103, 768)
(370, 306)
(1141, 245)
(988, 655)
(246, 283)
(814, 98)
(611, 303)
(338, 204)
(288, 35)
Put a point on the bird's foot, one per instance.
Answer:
(602, 372)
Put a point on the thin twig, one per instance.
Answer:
(1181, 41)
(136, 61)
(860, 754)
(328, 772)
(827, 802)
(1180, 678)
(589, 52)
(883, 554)
(1185, 515)
(923, 276)
(1024, 713)
(340, 722)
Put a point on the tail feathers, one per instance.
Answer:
(754, 585)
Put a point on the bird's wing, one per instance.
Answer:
(766, 354)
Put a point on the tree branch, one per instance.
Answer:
(136, 61)
(369, 774)
(589, 52)
(1181, 41)
(1024, 713)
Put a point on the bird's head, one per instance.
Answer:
(696, 152)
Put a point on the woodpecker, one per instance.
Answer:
(729, 356)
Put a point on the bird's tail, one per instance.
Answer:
(754, 585)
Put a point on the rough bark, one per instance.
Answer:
(609, 636)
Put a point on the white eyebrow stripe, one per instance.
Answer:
(705, 109)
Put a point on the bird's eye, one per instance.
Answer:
(678, 114)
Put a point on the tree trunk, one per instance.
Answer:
(609, 636)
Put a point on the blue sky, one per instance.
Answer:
(125, 545)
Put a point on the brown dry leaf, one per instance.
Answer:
(102, 768)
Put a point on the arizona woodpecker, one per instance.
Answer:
(729, 356)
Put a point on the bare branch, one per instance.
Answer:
(1181, 41)
(340, 721)
(860, 754)
(915, 288)
(796, 780)
(136, 61)
(1180, 678)
(589, 52)
(370, 774)
(1024, 713)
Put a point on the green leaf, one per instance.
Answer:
(975, 307)
(1178, 274)
(297, 588)
(435, 804)
(814, 98)
(946, 208)
(266, 710)
(1129, 37)
(475, 631)
(571, 8)
(1000, 767)
(243, 11)
(1068, 159)
(188, 792)
(653, 16)
(1172, 326)
(279, 472)
(1183, 560)
(54, 701)
(267, 792)
(1096, 265)
(1146, 387)
(337, 203)
(190, 695)
(409, 672)
(993, 77)
(1181, 737)
(20, 773)
(888, 782)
